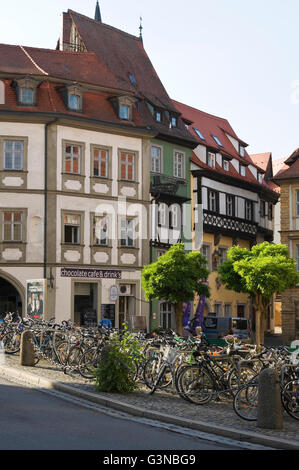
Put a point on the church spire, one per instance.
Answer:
(140, 29)
(97, 15)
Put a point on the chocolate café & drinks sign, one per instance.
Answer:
(90, 273)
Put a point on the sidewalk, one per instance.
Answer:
(215, 418)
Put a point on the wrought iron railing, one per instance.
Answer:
(162, 184)
(231, 224)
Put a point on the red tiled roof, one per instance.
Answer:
(279, 166)
(210, 125)
(261, 159)
(124, 55)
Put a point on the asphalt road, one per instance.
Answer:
(32, 420)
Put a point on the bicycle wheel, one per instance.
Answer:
(151, 371)
(246, 375)
(11, 342)
(195, 385)
(75, 354)
(290, 398)
(88, 363)
(246, 401)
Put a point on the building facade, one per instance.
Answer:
(232, 202)
(287, 177)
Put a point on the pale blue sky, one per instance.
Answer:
(237, 59)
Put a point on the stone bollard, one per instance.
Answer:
(269, 410)
(27, 349)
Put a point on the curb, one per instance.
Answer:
(246, 436)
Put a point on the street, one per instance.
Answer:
(31, 420)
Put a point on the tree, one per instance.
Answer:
(261, 272)
(176, 277)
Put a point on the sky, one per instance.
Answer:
(235, 59)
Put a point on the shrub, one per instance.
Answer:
(115, 371)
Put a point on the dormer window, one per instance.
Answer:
(75, 98)
(174, 121)
(260, 178)
(158, 116)
(26, 91)
(75, 102)
(124, 112)
(242, 170)
(242, 151)
(123, 107)
(225, 164)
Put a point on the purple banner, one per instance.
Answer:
(186, 313)
(200, 312)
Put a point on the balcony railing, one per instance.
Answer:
(161, 184)
(224, 223)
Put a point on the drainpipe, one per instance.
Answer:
(46, 195)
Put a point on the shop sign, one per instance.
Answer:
(89, 273)
(35, 298)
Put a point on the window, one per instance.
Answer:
(173, 121)
(222, 255)
(127, 232)
(199, 133)
(230, 205)
(241, 311)
(156, 160)
(242, 170)
(162, 214)
(13, 155)
(211, 159)
(270, 211)
(242, 151)
(127, 166)
(100, 231)
(124, 112)
(100, 162)
(12, 226)
(212, 201)
(179, 165)
(228, 310)
(218, 309)
(225, 164)
(166, 315)
(249, 210)
(260, 178)
(263, 208)
(297, 203)
(75, 102)
(27, 96)
(218, 142)
(158, 116)
(174, 216)
(72, 159)
(206, 252)
(72, 225)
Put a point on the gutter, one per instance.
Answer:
(46, 194)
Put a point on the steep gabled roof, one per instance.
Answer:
(124, 55)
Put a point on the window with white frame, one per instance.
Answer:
(156, 159)
(127, 166)
(179, 165)
(100, 231)
(162, 212)
(212, 201)
(228, 310)
(27, 96)
(166, 315)
(242, 151)
(222, 255)
(75, 102)
(13, 155)
(242, 170)
(72, 232)
(174, 216)
(248, 210)
(211, 159)
(230, 205)
(206, 252)
(12, 226)
(225, 164)
(72, 159)
(124, 111)
(100, 162)
(127, 232)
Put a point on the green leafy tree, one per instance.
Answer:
(176, 277)
(261, 272)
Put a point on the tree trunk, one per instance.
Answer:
(179, 318)
(261, 309)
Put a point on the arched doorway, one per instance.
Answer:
(10, 298)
